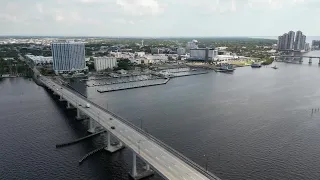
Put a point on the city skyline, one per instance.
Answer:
(155, 18)
(292, 41)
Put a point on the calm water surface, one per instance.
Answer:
(253, 124)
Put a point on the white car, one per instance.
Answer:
(87, 105)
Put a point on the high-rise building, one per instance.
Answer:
(102, 63)
(307, 47)
(285, 41)
(291, 40)
(279, 42)
(303, 42)
(298, 39)
(68, 56)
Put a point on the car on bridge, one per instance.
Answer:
(112, 127)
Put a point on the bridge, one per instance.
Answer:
(300, 57)
(157, 156)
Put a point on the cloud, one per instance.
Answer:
(140, 7)
(273, 4)
(39, 7)
(59, 18)
(157, 17)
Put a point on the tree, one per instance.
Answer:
(89, 52)
(124, 64)
(90, 66)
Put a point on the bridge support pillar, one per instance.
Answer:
(310, 60)
(147, 167)
(80, 116)
(134, 165)
(61, 99)
(319, 61)
(113, 148)
(92, 126)
(137, 176)
(70, 106)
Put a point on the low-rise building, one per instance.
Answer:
(181, 51)
(39, 59)
(140, 54)
(203, 54)
(102, 63)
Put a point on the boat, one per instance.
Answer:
(256, 65)
(274, 67)
(228, 68)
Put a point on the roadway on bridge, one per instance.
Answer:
(165, 163)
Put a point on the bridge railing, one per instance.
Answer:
(148, 135)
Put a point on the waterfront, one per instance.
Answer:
(252, 124)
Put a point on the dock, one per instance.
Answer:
(189, 74)
(133, 86)
(80, 139)
(122, 81)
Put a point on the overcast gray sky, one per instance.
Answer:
(159, 17)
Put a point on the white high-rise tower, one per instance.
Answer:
(68, 56)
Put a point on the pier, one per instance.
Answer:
(132, 86)
(80, 139)
(122, 81)
(188, 73)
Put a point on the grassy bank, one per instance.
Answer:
(241, 63)
(267, 61)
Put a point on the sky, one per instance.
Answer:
(158, 18)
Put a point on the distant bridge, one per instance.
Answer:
(300, 57)
(297, 56)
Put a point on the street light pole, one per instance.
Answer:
(206, 165)
(141, 123)
(139, 145)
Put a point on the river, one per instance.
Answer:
(252, 124)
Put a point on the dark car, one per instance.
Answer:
(110, 118)
(112, 127)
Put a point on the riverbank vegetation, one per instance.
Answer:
(267, 61)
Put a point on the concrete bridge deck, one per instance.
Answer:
(297, 56)
(163, 159)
